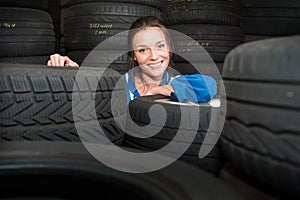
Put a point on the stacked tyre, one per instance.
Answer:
(70, 172)
(269, 18)
(27, 32)
(187, 131)
(54, 10)
(86, 24)
(40, 103)
(261, 132)
(214, 25)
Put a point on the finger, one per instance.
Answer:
(169, 87)
(148, 93)
(61, 61)
(54, 59)
(163, 90)
(49, 63)
(72, 64)
(153, 91)
(69, 62)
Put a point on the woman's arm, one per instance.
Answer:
(196, 88)
(57, 60)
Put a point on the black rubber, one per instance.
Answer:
(25, 32)
(37, 60)
(139, 112)
(101, 59)
(37, 4)
(43, 170)
(55, 12)
(202, 12)
(36, 103)
(217, 41)
(273, 18)
(85, 25)
(25, 14)
(210, 69)
(246, 186)
(155, 3)
(252, 38)
(261, 133)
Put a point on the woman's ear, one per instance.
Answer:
(134, 58)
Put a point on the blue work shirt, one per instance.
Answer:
(195, 88)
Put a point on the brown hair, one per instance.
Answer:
(142, 23)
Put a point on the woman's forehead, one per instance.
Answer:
(148, 36)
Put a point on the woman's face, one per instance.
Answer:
(151, 51)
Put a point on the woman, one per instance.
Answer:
(149, 59)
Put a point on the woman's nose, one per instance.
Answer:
(153, 54)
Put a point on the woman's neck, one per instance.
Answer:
(153, 80)
(144, 83)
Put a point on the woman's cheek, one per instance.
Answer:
(140, 59)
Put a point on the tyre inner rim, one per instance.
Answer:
(38, 180)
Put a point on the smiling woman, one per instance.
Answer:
(150, 55)
(150, 50)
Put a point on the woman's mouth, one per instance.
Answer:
(157, 64)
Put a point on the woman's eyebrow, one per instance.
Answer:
(142, 45)
(160, 41)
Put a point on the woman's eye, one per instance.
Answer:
(161, 46)
(142, 50)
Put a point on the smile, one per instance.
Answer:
(156, 64)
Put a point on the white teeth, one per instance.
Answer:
(155, 65)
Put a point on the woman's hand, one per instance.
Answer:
(165, 90)
(57, 60)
